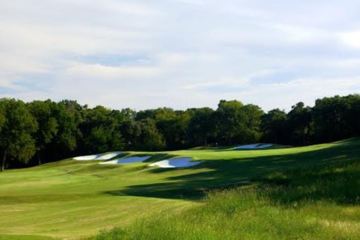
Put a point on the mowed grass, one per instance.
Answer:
(289, 193)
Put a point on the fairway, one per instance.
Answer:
(179, 120)
(76, 199)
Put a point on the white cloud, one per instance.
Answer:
(306, 90)
(351, 39)
(178, 53)
(99, 71)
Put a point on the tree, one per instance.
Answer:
(201, 126)
(273, 126)
(252, 130)
(353, 115)
(101, 130)
(130, 130)
(58, 130)
(158, 114)
(43, 111)
(237, 123)
(229, 121)
(149, 138)
(299, 124)
(336, 118)
(172, 125)
(174, 129)
(18, 125)
(2, 115)
(68, 115)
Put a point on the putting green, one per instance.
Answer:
(71, 199)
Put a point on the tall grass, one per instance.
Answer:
(316, 203)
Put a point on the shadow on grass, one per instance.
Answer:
(326, 174)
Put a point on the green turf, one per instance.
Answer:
(24, 237)
(288, 191)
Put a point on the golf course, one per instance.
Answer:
(179, 120)
(281, 192)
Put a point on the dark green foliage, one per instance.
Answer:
(44, 113)
(229, 121)
(331, 119)
(18, 125)
(172, 125)
(299, 125)
(59, 130)
(273, 126)
(149, 137)
(252, 131)
(336, 117)
(174, 129)
(2, 116)
(201, 126)
(237, 123)
(68, 115)
(101, 130)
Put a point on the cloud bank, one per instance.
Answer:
(179, 53)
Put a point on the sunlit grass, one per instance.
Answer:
(310, 192)
(309, 206)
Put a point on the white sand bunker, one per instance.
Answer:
(127, 160)
(175, 163)
(253, 146)
(97, 157)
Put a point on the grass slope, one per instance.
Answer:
(290, 193)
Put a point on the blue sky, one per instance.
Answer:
(179, 53)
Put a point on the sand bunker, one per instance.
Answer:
(253, 146)
(97, 157)
(175, 163)
(127, 160)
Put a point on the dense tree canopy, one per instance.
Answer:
(299, 124)
(336, 117)
(44, 114)
(18, 125)
(274, 127)
(43, 131)
(201, 126)
(100, 130)
(237, 123)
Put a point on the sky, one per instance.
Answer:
(179, 53)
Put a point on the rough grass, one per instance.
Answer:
(23, 237)
(290, 193)
(317, 203)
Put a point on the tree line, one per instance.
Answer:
(43, 131)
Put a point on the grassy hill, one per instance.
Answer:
(308, 192)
